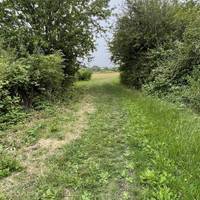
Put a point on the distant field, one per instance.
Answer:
(105, 75)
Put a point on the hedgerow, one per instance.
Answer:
(156, 44)
(23, 80)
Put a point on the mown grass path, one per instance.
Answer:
(129, 146)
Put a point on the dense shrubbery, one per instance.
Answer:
(28, 77)
(10, 110)
(157, 46)
(23, 80)
(84, 74)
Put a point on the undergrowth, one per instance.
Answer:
(8, 164)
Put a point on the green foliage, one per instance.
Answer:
(156, 44)
(175, 68)
(45, 76)
(28, 77)
(36, 30)
(23, 80)
(192, 93)
(84, 74)
(10, 110)
(49, 26)
(2, 196)
(8, 164)
(143, 26)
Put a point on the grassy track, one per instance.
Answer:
(112, 143)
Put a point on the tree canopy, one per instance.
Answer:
(46, 26)
(156, 44)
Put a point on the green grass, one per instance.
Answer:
(133, 147)
(166, 143)
(8, 164)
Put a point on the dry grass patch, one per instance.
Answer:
(32, 158)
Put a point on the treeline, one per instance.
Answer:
(41, 43)
(157, 45)
(104, 69)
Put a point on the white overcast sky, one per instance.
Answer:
(101, 57)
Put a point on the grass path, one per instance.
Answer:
(111, 143)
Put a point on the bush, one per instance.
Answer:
(29, 77)
(10, 109)
(84, 74)
(45, 77)
(169, 78)
(22, 81)
(192, 93)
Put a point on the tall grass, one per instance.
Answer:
(167, 147)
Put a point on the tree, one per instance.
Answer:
(47, 26)
(144, 25)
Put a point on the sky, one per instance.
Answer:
(101, 57)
